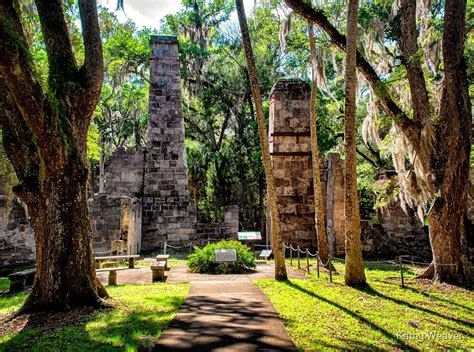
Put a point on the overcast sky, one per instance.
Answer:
(148, 13)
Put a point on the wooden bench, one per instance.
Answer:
(112, 274)
(131, 259)
(21, 279)
(158, 271)
(163, 258)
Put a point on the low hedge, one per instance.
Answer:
(203, 259)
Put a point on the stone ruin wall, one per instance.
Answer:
(156, 176)
(17, 240)
(289, 135)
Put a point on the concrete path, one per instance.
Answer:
(225, 316)
(221, 312)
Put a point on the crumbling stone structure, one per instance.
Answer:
(17, 240)
(149, 186)
(290, 148)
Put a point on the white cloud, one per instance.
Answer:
(145, 13)
(148, 13)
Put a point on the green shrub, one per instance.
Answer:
(203, 259)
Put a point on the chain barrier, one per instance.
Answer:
(397, 261)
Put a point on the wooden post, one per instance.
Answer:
(317, 264)
(131, 263)
(299, 260)
(112, 278)
(400, 263)
(307, 259)
(330, 269)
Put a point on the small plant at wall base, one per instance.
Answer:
(203, 259)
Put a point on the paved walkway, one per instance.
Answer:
(220, 313)
(225, 316)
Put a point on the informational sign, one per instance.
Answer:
(226, 255)
(246, 236)
(266, 253)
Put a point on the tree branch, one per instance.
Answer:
(366, 157)
(19, 81)
(19, 145)
(93, 61)
(411, 60)
(409, 127)
(62, 63)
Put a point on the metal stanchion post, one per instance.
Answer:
(317, 265)
(400, 263)
(299, 261)
(330, 269)
(307, 259)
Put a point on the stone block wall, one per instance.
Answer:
(124, 172)
(290, 150)
(168, 214)
(115, 218)
(17, 239)
(231, 219)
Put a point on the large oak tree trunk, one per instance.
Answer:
(65, 273)
(45, 137)
(280, 267)
(354, 275)
(450, 159)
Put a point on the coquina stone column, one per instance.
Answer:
(290, 149)
(167, 212)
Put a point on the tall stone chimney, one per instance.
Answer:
(168, 214)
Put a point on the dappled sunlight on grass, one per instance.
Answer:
(140, 314)
(320, 315)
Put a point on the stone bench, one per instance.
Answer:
(158, 271)
(112, 274)
(21, 279)
(163, 258)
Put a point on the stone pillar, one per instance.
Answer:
(335, 204)
(231, 218)
(131, 224)
(290, 149)
(168, 214)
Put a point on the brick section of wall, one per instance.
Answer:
(115, 218)
(104, 212)
(17, 239)
(290, 146)
(168, 213)
(124, 172)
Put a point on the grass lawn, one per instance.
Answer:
(320, 315)
(140, 314)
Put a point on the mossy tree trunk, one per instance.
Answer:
(280, 267)
(45, 138)
(444, 154)
(354, 275)
(320, 220)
